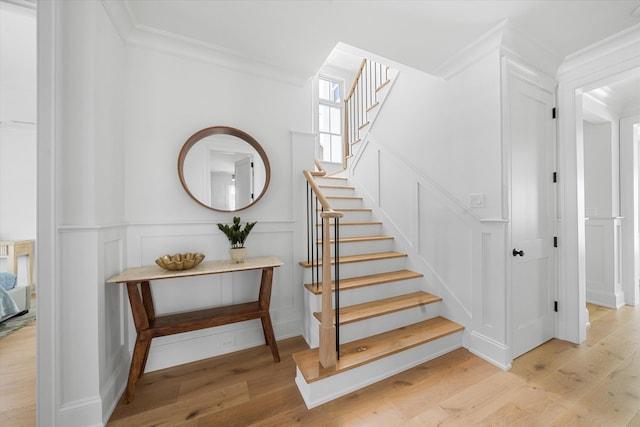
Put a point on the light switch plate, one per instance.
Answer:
(476, 200)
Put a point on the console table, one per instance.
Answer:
(149, 326)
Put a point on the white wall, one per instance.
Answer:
(124, 113)
(602, 208)
(601, 170)
(449, 130)
(168, 99)
(89, 317)
(433, 143)
(17, 128)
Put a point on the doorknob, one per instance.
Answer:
(516, 253)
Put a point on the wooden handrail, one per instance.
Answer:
(362, 98)
(328, 353)
(355, 80)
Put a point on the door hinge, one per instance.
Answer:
(251, 164)
(555, 177)
(554, 113)
(555, 306)
(555, 241)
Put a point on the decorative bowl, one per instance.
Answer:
(179, 262)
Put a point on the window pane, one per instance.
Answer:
(324, 89)
(335, 91)
(325, 147)
(323, 118)
(335, 120)
(336, 148)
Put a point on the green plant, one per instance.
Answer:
(236, 233)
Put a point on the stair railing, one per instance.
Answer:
(362, 98)
(319, 211)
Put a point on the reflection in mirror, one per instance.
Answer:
(223, 169)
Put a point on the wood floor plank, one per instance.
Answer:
(608, 396)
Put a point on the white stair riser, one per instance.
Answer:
(364, 268)
(368, 247)
(331, 181)
(353, 230)
(330, 388)
(338, 204)
(368, 293)
(338, 191)
(355, 216)
(379, 324)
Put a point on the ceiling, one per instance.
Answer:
(299, 35)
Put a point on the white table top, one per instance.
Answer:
(154, 272)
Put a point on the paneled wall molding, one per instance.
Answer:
(83, 228)
(410, 168)
(603, 253)
(436, 227)
(136, 34)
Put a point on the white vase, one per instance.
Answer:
(237, 255)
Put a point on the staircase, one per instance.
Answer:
(387, 322)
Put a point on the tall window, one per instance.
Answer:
(330, 119)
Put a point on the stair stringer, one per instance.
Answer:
(485, 316)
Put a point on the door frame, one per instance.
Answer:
(614, 56)
(511, 67)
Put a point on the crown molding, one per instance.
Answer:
(24, 4)
(616, 45)
(135, 34)
(508, 41)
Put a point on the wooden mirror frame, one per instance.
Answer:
(222, 130)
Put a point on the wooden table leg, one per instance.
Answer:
(265, 300)
(140, 350)
(143, 341)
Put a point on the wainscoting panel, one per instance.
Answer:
(461, 255)
(396, 195)
(603, 262)
(446, 244)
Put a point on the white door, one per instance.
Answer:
(244, 182)
(533, 270)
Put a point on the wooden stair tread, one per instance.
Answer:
(359, 258)
(366, 350)
(367, 310)
(338, 187)
(344, 197)
(372, 279)
(350, 209)
(349, 223)
(358, 239)
(332, 177)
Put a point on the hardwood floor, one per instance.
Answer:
(557, 384)
(18, 378)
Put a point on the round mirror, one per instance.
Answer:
(224, 169)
